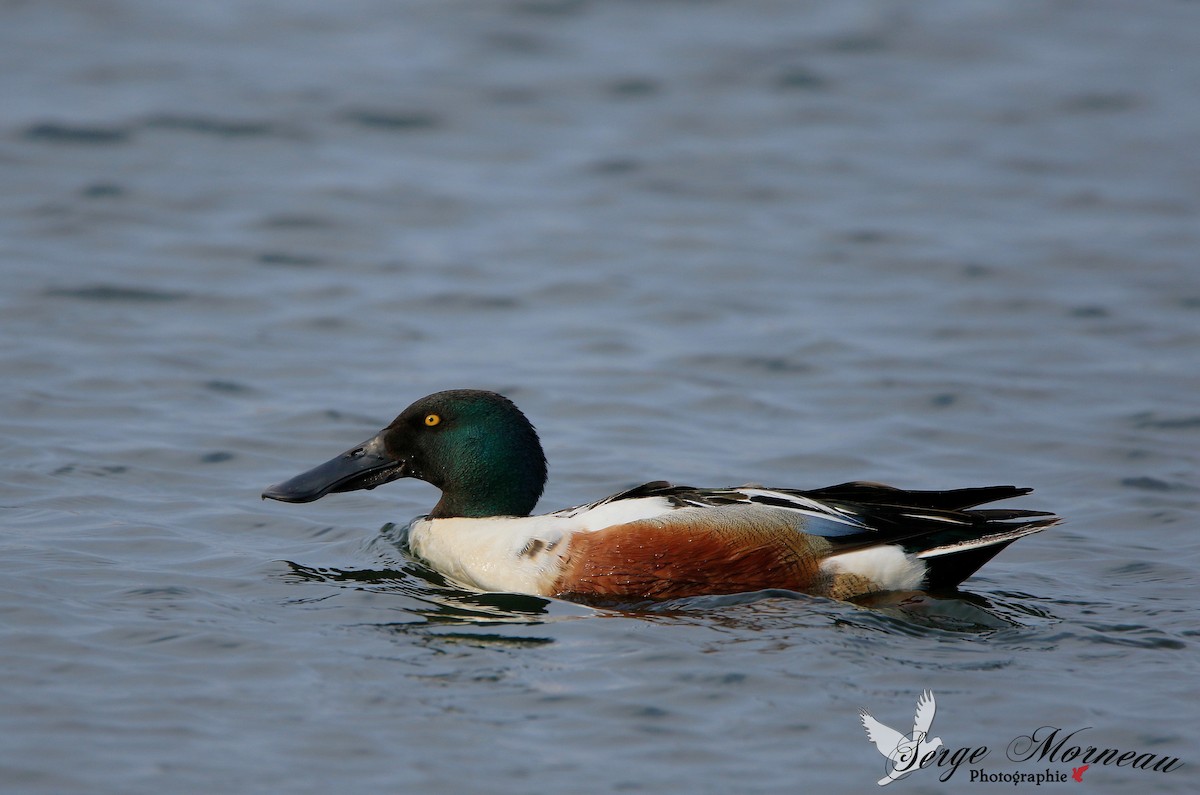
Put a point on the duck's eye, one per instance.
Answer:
(432, 419)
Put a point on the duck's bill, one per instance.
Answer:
(363, 467)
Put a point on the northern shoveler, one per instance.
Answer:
(658, 540)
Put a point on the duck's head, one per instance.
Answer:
(476, 446)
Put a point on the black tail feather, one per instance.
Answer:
(948, 571)
(938, 526)
(953, 556)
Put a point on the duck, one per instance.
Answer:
(656, 541)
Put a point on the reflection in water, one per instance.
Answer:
(911, 613)
(447, 604)
(957, 612)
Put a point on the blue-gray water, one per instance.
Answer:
(934, 244)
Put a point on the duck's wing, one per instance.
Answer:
(659, 496)
(864, 493)
(872, 512)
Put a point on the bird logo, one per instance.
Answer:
(1077, 773)
(903, 751)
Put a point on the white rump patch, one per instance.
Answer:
(887, 566)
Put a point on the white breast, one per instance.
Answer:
(517, 554)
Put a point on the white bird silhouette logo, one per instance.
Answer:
(903, 751)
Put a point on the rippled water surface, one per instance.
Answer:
(937, 245)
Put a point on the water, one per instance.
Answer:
(940, 244)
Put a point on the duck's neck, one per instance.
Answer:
(495, 481)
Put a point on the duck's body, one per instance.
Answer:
(657, 541)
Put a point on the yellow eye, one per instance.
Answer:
(432, 419)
